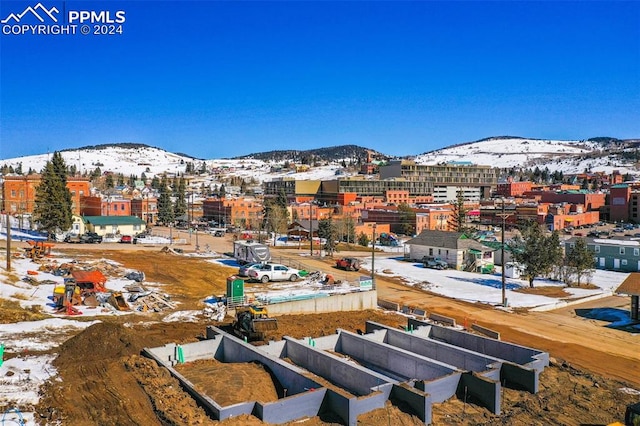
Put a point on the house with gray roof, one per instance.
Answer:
(455, 248)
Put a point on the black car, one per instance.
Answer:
(91, 238)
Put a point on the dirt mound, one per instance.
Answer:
(171, 404)
(99, 342)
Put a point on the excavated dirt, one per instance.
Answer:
(250, 381)
(103, 379)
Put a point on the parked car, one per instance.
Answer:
(126, 239)
(348, 264)
(243, 271)
(91, 238)
(218, 233)
(274, 272)
(434, 263)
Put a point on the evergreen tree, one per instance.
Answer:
(203, 168)
(458, 220)
(53, 202)
(535, 251)
(282, 200)
(96, 173)
(120, 179)
(363, 239)
(222, 191)
(155, 183)
(580, 260)
(180, 207)
(131, 181)
(19, 169)
(327, 230)
(108, 182)
(165, 207)
(407, 218)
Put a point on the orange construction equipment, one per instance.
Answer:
(38, 249)
(90, 281)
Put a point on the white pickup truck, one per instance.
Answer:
(274, 272)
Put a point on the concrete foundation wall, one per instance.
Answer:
(526, 378)
(296, 401)
(341, 302)
(441, 388)
(487, 392)
(287, 409)
(372, 402)
(419, 401)
(488, 368)
(353, 378)
(461, 358)
(212, 408)
(402, 363)
(484, 345)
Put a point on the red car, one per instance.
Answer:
(127, 239)
(348, 264)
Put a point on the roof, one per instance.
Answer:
(631, 285)
(446, 239)
(113, 220)
(89, 277)
(303, 225)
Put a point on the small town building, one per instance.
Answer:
(455, 248)
(612, 254)
(118, 225)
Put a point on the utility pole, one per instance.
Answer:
(311, 228)
(373, 258)
(504, 217)
(8, 243)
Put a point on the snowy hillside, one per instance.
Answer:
(115, 159)
(565, 156)
(154, 161)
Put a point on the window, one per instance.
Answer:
(596, 249)
(13, 193)
(621, 250)
(623, 262)
(636, 252)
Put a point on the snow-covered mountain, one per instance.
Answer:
(571, 156)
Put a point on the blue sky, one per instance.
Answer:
(220, 79)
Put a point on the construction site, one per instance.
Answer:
(389, 355)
